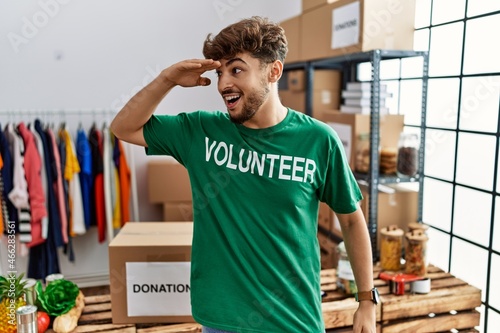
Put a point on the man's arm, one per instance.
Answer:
(358, 246)
(129, 122)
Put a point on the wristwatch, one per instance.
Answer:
(371, 295)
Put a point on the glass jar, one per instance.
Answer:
(417, 226)
(391, 247)
(416, 252)
(408, 147)
(362, 163)
(345, 276)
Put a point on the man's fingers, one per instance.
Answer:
(203, 64)
(204, 81)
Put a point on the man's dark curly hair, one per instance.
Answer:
(260, 37)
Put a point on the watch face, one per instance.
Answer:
(376, 296)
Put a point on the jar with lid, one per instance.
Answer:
(362, 162)
(408, 150)
(345, 276)
(417, 226)
(391, 247)
(416, 252)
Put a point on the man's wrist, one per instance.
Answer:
(165, 79)
(369, 295)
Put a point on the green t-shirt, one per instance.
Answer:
(255, 255)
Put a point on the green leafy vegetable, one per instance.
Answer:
(58, 298)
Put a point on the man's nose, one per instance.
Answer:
(225, 82)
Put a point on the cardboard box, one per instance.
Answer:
(296, 80)
(293, 99)
(398, 208)
(328, 252)
(168, 181)
(311, 4)
(292, 29)
(326, 90)
(325, 217)
(178, 211)
(323, 79)
(350, 126)
(149, 268)
(349, 26)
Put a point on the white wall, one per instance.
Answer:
(83, 55)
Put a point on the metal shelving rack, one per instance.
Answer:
(348, 65)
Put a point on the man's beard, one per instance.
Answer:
(251, 106)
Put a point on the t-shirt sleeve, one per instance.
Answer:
(339, 189)
(169, 135)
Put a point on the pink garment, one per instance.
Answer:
(58, 188)
(32, 170)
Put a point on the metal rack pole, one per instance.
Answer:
(374, 158)
(423, 122)
(309, 71)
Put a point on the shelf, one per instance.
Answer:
(386, 179)
(348, 64)
(342, 60)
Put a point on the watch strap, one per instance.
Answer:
(364, 296)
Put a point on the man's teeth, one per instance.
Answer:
(231, 98)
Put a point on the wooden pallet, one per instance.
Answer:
(451, 305)
(96, 317)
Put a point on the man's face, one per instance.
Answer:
(243, 85)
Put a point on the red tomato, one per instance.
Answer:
(43, 321)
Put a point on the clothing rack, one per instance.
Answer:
(15, 115)
(61, 113)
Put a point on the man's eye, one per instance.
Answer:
(218, 73)
(236, 70)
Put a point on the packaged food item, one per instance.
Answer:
(388, 160)
(345, 276)
(26, 319)
(408, 150)
(391, 246)
(416, 252)
(362, 163)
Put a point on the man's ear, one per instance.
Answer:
(276, 71)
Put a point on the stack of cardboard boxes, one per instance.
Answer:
(328, 28)
(168, 185)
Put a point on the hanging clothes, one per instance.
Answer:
(59, 219)
(3, 206)
(84, 155)
(68, 248)
(98, 211)
(124, 176)
(19, 194)
(117, 209)
(71, 170)
(44, 259)
(43, 176)
(109, 180)
(36, 198)
(10, 211)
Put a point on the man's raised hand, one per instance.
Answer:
(188, 73)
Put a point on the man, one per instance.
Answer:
(257, 174)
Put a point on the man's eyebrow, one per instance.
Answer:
(229, 62)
